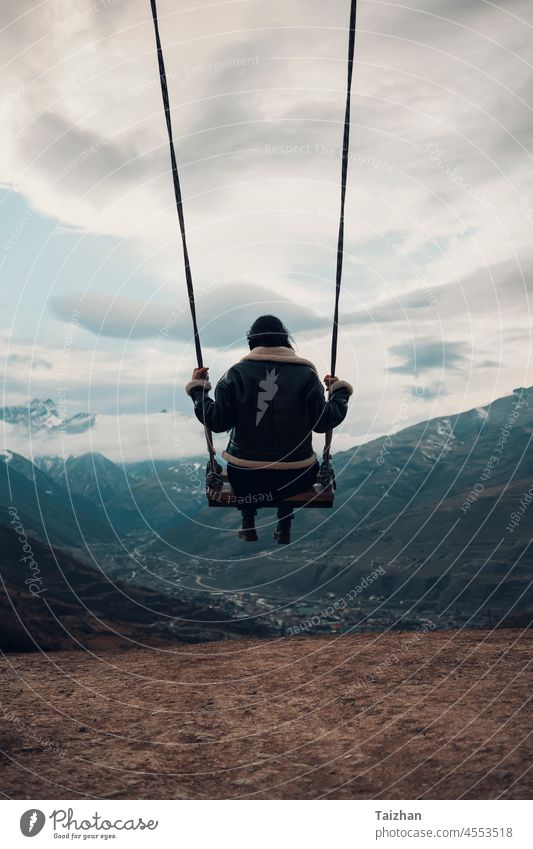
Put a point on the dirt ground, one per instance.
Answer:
(393, 716)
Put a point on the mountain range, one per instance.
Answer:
(41, 415)
(432, 505)
(48, 510)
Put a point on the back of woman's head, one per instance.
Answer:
(269, 331)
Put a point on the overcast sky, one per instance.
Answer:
(439, 207)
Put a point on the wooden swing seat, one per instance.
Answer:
(314, 497)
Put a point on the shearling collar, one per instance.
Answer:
(277, 354)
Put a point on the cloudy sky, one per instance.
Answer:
(439, 207)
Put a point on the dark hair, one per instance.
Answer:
(269, 331)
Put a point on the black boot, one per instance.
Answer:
(248, 532)
(282, 534)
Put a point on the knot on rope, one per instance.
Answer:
(326, 476)
(213, 476)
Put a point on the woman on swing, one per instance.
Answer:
(272, 401)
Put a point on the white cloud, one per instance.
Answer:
(227, 312)
(124, 438)
(90, 83)
(128, 438)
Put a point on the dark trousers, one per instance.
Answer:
(260, 487)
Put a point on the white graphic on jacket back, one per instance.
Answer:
(267, 389)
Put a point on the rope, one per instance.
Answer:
(181, 217)
(344, 176)
(340, 239)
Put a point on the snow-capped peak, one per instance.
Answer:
(43, 415)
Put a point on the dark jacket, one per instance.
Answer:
(272, 401)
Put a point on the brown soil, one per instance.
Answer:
(399, 716)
